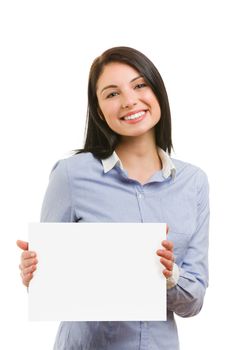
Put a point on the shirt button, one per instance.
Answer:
(139, 195)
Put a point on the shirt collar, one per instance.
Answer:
(167, 169)
(111, 161)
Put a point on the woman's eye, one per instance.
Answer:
(112, 94)
(141, 85)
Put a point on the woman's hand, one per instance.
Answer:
(167, 257)
(28, 262)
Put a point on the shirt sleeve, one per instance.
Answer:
(57, 203)
(186, 297)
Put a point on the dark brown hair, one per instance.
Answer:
(99, 138)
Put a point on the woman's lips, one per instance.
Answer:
(134, 118)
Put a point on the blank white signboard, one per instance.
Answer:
(97, 272)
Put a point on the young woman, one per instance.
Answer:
(125, 174)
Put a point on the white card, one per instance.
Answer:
(97, 272)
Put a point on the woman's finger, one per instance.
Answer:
(28, 262)
(26, 279)
(22, 244)
(28, 270)
(168, 245)
(28, 255)
(167, 273)
(167, 254)
(168, 264)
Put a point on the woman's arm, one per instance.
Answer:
(57, 207)
(57, 203)
(186, 298)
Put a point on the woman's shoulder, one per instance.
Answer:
(77, 162)
(190, 171)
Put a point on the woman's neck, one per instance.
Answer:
(139, 156)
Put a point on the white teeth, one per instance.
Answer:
(134, 116)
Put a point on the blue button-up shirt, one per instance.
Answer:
(85, 189)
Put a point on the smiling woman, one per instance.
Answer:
(125, 173)
(121, 78)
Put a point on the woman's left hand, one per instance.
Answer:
(167, 257)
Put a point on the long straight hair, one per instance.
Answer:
(100, 140)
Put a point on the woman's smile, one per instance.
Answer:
(134, 117)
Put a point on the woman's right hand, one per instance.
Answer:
(28, 262)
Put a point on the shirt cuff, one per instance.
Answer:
(173, 280)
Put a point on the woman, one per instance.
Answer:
(125, 174)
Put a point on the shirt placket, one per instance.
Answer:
(140, 199)
(144, 336)
(144, 342)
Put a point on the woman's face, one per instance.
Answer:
(127, 103)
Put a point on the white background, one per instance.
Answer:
(46, 50)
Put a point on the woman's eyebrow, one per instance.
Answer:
(115, 86)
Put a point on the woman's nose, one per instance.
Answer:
(128, 100)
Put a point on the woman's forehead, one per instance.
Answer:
(116, 73)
